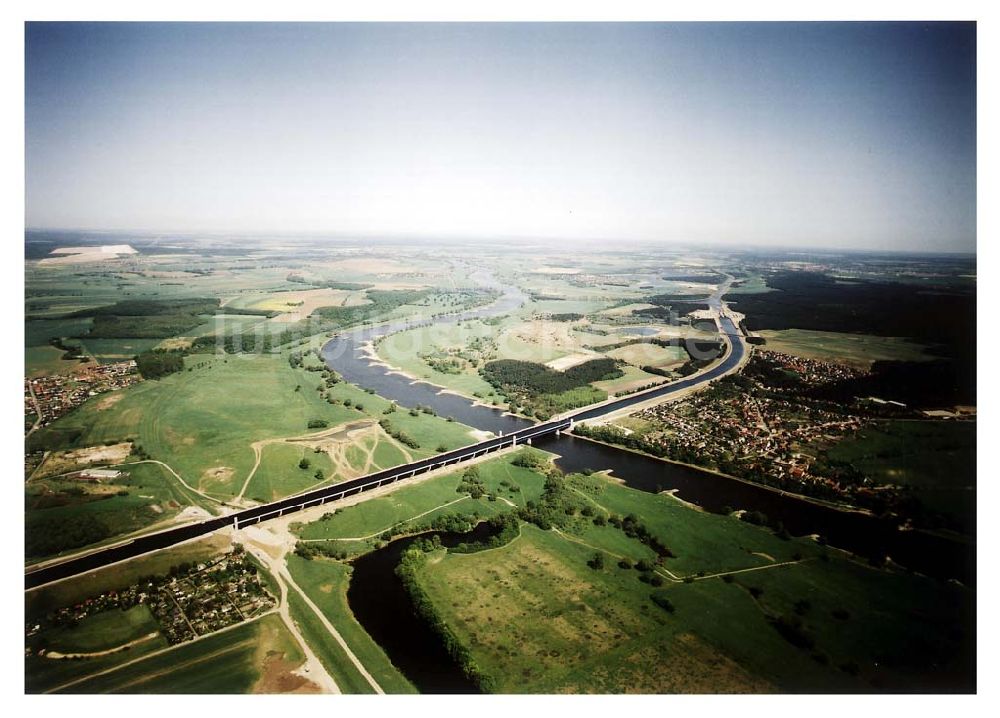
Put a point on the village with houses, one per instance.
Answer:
(47, 398)
(187, 602)
(759, 427)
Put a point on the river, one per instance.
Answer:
(854, 531)
(379, 601)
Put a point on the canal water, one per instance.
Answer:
(381, 604)
(865, 535)
(383, 607)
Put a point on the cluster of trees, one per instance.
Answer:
(311, 550)
(382, 301)
(565, 317)
(554, 507)
(709, 278)
(529, 459)
(326, 283)
(261, 342)
(683, 300)
(318, 424)
(443, 363)
(152, 307)
(644, 387)
(412, 559)
(47, 535)
(471, 483)
(514, 375)
(401, 436)
(156, 364)
(70, 351)
(147, 318)
(503, 529)
(632, 527)
(536, 389)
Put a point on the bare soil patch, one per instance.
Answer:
(109, 401)
(218, 474)
(60, 462)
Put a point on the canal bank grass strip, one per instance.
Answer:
(330, 653)
(325, 582)
(287, 577)
(393, 526)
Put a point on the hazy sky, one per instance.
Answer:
(854, 135)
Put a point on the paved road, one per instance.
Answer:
(734, 355)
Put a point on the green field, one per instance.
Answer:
(934, 460)
(566, 306)
(38, 332)
(45, 360)
(537, 618)
(921, 454)
(202, 422)
(226, 324)
(751, 285)
(108, 351)
(427, 500)
(701, 541)
(650, 354)
(631, 377)
(232, 661)
(95, 634)
(856, 349)
(59, 509)
(104, 631)
(325, 582)
(279, 474)
(402, 350)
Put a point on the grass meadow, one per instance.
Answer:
(855, 349)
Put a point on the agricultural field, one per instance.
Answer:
(107, 351)
(304, 302)
(753, 284)
(104, 632)
(632, 379)
(97, 643)
(101, 632)
(256, 657)
(650, 355)
(280, 472)
(855, 349)
(46, 360)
